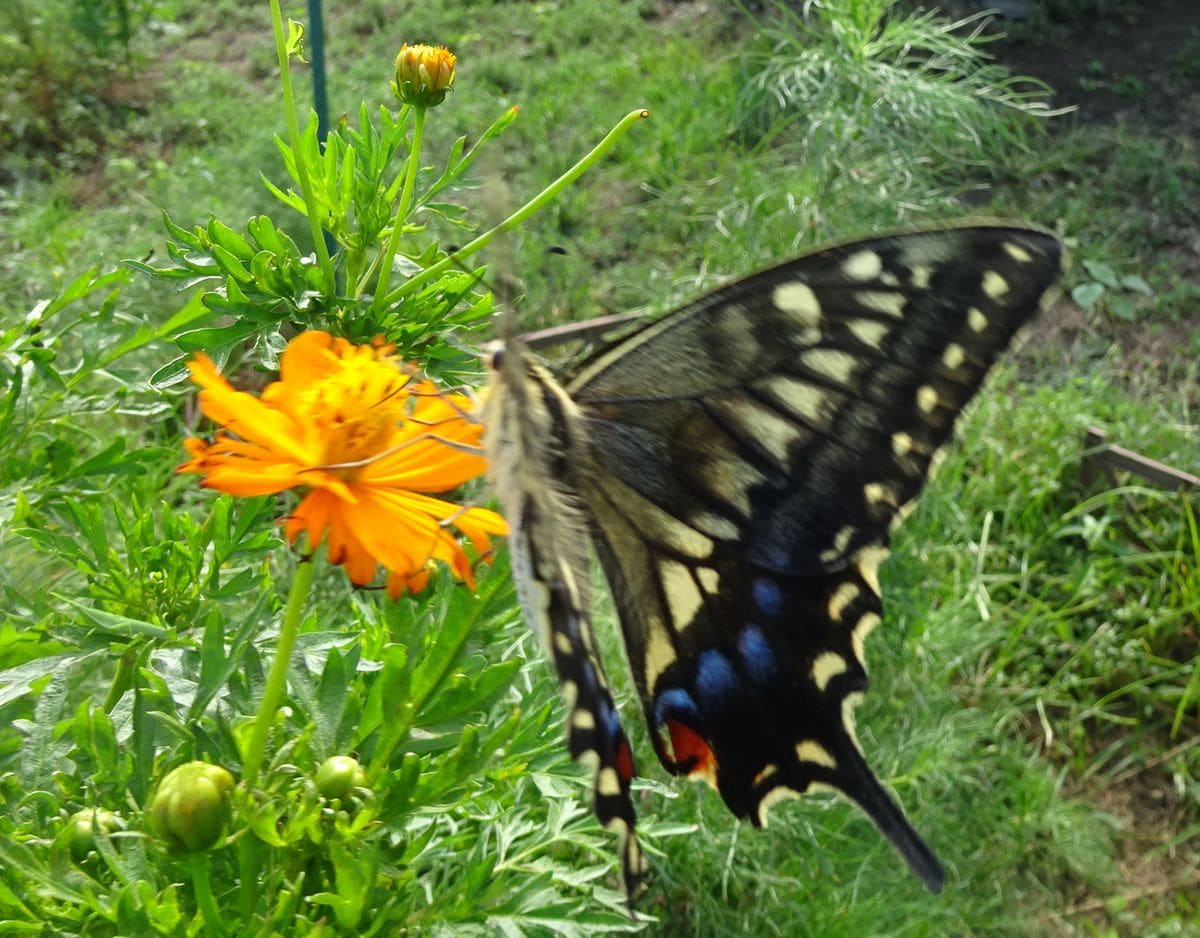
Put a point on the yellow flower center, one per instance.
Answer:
(357, 410)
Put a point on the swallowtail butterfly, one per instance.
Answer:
(738, 466)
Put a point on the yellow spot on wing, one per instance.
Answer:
(1017, 253)
(976, 320)
(841, 541)
(798, 300)
(767, 771)
(805, 400)
(863, 265)
(709, 579)
(994, 285)
(920, 277)
(809, 750)
(868, 560)
(849, 702)
(877, 492)
(954, 356)
(683, 595)
(902, 444)
(825, 667)
(583, 719)
(858, 636)
(837, 366)
(659, 653)
(772, 798)
(842, 597)
(890, 304)
(927, 399)
(607, 782)
(773, 432)
(868, 331)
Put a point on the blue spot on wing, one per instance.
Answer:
(609, 718)
(756, 653)
(716, 681)
(675, 702)
(766, 595)
(771, 555)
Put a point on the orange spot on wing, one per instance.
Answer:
(625, 768)
(692, 752)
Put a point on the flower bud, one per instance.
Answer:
(83, 826)
(338, 776)
(423, 74)
(191, 806)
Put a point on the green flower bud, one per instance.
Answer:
(423, 74)
(83, 826)
(338, 776)
(191, 806)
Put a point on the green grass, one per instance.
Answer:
(1035, 694)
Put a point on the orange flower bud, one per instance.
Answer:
(423, 74)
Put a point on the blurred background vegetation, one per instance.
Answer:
(1035, 700)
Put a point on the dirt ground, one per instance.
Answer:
(1141, 64)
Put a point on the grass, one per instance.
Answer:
(1034, 687)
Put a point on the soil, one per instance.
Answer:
(1141, 64)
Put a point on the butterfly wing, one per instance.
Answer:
(532, 443)
(747, 457)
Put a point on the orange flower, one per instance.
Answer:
(367, 442)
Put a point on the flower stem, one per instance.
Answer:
(277, 678)
(406, 199)
(293, 131)
(202, 887)
(537, 202)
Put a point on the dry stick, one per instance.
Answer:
(1157, 760)
(1095, 905)
(1113, 457)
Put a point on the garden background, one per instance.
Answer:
(1035, 695)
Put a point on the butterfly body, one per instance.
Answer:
(737, 466)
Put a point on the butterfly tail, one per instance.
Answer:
(860, 785)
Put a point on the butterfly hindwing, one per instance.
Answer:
(530, 443)
(739, 465)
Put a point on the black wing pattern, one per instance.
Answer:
(745, 460)
(738, 466)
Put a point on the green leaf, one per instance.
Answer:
(229, 240)
(115, 625)
(1101, 273)
(1087, 295)
(206, 340)
(1122, 307)
(1136, 284)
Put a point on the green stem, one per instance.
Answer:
(537, 202)
(213, 925)
(293, 130)
(406, 199)
(277, 678)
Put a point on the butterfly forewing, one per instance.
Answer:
(738, 465)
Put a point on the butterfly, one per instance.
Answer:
(738, 466)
